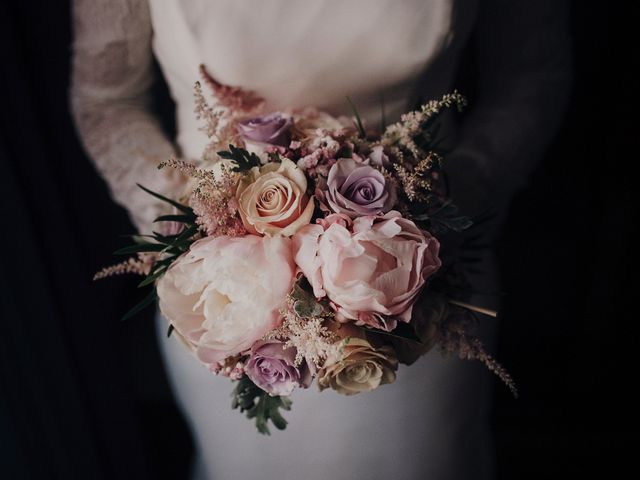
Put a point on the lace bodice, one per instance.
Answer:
(112, 74)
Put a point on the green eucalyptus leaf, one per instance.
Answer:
(243, 159)
(137, 237)
(446, 217)
(359, 124)
(160, 238)
(305, 309)
(176, 218)
(403, 330)
(141, 247)
(185, 235)
(179, 206)
(153, 277)
(257, 404)
(274, 157)
(457, 224)
(165, 262)
(305, 303)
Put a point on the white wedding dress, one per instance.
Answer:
(433, 422)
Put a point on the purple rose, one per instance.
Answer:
(273, 369)
(356, 189)
(272, 129)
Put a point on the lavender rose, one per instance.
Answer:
(273, 369)
(272, 129)
(356, 189)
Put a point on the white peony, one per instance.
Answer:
(226, 293)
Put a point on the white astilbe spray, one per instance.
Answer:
(313, 341)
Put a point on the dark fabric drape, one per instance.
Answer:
(569, 263)
(83, 395)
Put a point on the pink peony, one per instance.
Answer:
(226, 293)
(371, 272)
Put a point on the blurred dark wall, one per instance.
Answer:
(569, 263)
(83, 395)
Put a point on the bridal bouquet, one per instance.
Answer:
(307, 248)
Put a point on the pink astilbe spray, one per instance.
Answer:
(213, 199)
(400, 136)
(205, 112)
(138, 266)
(216, 209)
(231, 104)
(422, 180)
(454, 339)
(232, 367)
(235, 99)
(186, 168)
(320, 153)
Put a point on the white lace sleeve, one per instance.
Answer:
(523, 55)
(111, 76)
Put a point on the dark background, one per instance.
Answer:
(83, 395)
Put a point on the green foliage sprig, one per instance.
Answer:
(258, 404)
(169, 246)
(444, 217)
(244, 160)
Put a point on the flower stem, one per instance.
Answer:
(468, 306)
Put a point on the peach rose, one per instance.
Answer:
(226, 292)
(273, 199)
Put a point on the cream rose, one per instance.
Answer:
(273, 199)
(358, 367)
(226, 293)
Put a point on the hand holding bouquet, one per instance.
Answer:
(307, 247)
